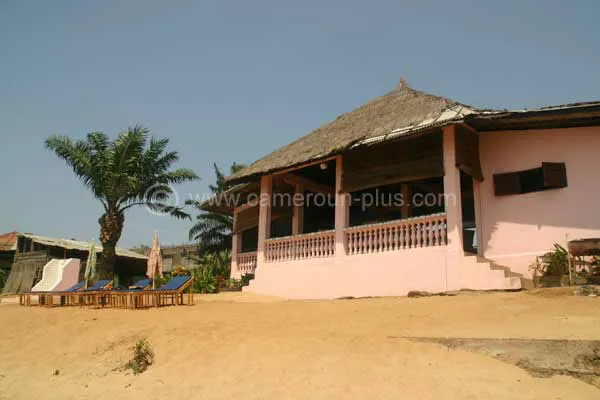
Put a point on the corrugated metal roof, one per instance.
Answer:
(452, 114)
(71, 244)
(8, 241)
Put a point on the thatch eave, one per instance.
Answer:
(405, 112)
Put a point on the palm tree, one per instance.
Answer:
(213, 230)
(129, 171)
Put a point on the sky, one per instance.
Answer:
(232, 81)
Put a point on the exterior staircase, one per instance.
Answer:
(511, 280)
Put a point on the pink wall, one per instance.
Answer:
(393, 273)
(516, 228)
(386, 273)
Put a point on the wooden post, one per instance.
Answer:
(341, 210)
(406, 210)
(264, 217)
(298, 213)
(236, 244)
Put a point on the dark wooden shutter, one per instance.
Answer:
(508, 183)
(467, 152)
(555, 175)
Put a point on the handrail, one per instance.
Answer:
(310, 245)
(246, 262)
(425, 231)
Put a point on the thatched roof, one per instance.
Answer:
(395, 111)
(405, 111)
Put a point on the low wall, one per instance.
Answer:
(394, 273)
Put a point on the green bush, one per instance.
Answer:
(3, 277)
(233, 284)
(246, 279)
(116, 281)
(143, 357)
(205, 281)
(556, 262)
(161, 280)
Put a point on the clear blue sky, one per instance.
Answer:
(232, 80)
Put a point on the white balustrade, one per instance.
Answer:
(246, 262)
(426, 231)
(310, 245)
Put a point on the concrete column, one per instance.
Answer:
(298, 213)
(264, 217)
(342, 210)
(454, 250)
(452, 189)
(236, 243)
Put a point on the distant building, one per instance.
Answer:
(8, 245)
(28, 253)
(179, 256)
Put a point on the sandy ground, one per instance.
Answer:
(236, 345)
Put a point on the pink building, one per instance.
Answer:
(415, 192)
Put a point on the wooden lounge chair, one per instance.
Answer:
(93, 295)
(171, 293)
(44, 297)
(121, 297)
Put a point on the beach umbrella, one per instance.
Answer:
(154, 260)
(90, 265)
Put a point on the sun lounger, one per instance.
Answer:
(171, 293)
(44, 297)
(93, 295)
(121, 297)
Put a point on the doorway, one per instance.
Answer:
(467, 197)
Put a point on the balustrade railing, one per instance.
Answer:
(246, 262)
(427, 231)
(310, 245)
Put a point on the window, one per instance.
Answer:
(549, 176)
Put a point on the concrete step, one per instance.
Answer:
(508, 273)
(511, 280)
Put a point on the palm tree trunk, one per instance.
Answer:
(111, 227)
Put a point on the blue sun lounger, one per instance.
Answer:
(120, 297)
(171, 293)
(44, 297)
(93, 295)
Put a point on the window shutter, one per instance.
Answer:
(505, 184)
(555, 175)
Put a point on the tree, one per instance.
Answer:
(142, 249)
(129, 171)
(212, 230)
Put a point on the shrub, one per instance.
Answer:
(143, 357)
(246, 279)
(233, 284)
(180, 271)
(3, 276)
(204, 281)
(556, 262)
(161, 280)
(116, 281)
